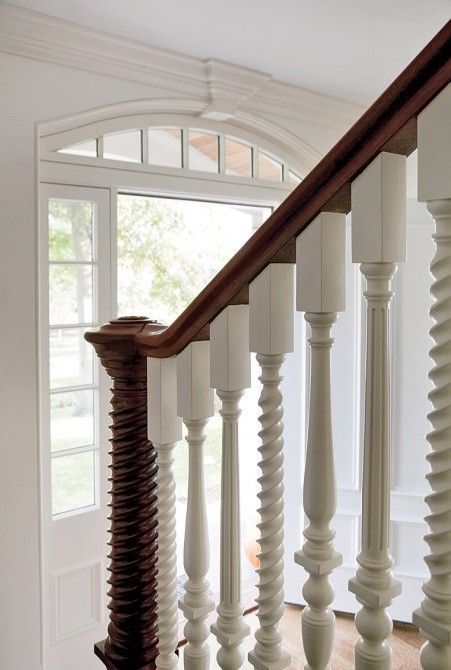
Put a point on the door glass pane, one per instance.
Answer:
(269, 168)
(88, 148)
(238, 158)
(165, 147)
(70, 230)
(73, 478)
(70, 294)
(168, 250)
(71, 419)
(203, 151)
(123, 146)
(71, 358)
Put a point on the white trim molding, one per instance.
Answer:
(216, 89)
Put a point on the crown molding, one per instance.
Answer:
(224, 88)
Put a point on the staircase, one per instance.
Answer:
(165, 376)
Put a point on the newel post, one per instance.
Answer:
(132, 631)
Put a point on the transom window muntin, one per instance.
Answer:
(199, 149)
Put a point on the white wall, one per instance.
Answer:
(33, 91)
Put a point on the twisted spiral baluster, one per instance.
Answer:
(268, 652)
(434, 615)
(167, 560)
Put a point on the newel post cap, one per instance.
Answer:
(115, 342)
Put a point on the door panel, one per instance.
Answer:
(74, 295)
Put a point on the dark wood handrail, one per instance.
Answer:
(388, 125)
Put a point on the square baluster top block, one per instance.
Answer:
(434, 149)
(194, 394)
(378, 198)
(230, 361)
(320, 265)
(271, 310)
(164, 426)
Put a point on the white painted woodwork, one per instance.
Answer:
(321, 280)
(167, 611)
(164, 429)
(194, 394)
(378, 197)
(164, 425)
(320, 265)
(230, 362)
(271, 309)
(230, 375)
(434, 180)
(434, 616)
(271, 312)
(74, 586)
(195, 405)
(434, 148)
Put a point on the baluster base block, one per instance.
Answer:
(229, 639)
(438, 631)
(281, 663)
(318, 568)
(373, 598)
(192, 613)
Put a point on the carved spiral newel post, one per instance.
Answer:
(320, 261)
(230, 375)
(271, 303)
(132, 632)
(434, 187)
(378, 237)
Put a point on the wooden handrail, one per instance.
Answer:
(388, 125)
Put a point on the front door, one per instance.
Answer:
(74, 296)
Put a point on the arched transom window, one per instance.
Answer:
(189, 148)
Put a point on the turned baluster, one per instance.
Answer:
(271, 305)
(230, 375)
(195, 406)
(320, 265)
(434, 187)
(378, 243)
(165, 429)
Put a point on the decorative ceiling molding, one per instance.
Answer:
(228, 87)
(224, 88)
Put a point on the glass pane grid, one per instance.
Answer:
(188, 148)
(73, 374)
(74, 482)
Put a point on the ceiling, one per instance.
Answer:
(350, 49)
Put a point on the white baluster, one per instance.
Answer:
(271, 298)
(230, 374)
(195, 405)
(320, 261)
(378, 242)
(434, 187)
(164, 430)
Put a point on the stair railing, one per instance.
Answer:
(249, 307)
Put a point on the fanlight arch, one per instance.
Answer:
(265, 140)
